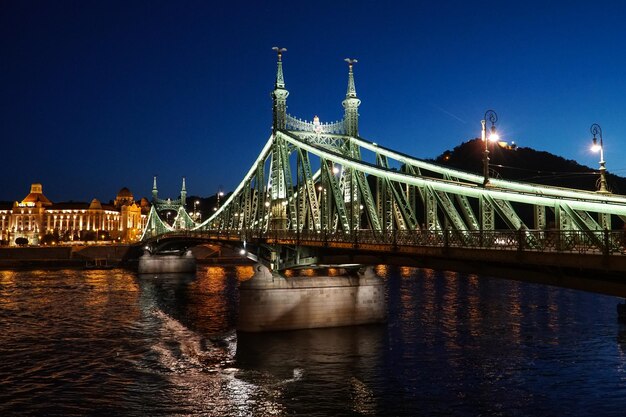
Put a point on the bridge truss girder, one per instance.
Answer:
(155, 225)
(275, 195)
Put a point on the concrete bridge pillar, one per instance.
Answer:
(270, 302)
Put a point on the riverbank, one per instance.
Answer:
(36, 257)
(61, 256)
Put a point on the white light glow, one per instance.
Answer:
(595, 148)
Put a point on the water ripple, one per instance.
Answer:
(75, 343)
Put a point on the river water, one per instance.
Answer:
(111, 343)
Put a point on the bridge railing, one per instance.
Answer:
(594, 242)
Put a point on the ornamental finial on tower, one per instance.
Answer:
(280, 81)
(279, 95)
(351, 103)
(351, 88)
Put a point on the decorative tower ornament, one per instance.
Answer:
(351, 103)
(155, 192)
(279, 95)
(183, 194)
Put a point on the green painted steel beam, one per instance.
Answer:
(534, 197)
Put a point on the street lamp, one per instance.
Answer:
(492, 117)
(219, 194)
(596, 130)
(197, 214)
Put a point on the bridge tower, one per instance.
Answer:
(280, 94)
(351, 125)
(183, 194)
(280, 175)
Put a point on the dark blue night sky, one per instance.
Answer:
(97, 95)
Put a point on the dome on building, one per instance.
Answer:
(36, 196)
(95, 205)
(124, 198)
(125, 193)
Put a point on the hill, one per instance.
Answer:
(527, 165)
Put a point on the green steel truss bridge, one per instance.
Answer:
(319, 192)
(155, 224)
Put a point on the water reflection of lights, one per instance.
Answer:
(473, 305)
(216, 272)
(200, 370)
(244, 272)
(429, 300)
(553, 316)
(8, 289)
(345, 360)
(7, 279)
(450, 308)
(381, 270)
(244, 397)
(364, 400)
(429, 274)
(407, 271)
(515, 311)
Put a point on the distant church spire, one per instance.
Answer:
(155, 192)
(279, 95)
(351, 103)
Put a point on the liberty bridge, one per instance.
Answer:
(321, 194)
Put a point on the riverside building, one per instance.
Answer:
(41, 221)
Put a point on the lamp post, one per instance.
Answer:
(596, 130)
(492, 117)
(219, 194)
(196, 213)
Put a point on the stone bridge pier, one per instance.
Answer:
(270, 302)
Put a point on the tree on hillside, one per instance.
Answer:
(527, 165)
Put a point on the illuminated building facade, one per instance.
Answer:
(41, 221)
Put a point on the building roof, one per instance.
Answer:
(95, 204)
(36, 196)
(124, 193)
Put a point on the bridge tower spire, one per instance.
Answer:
(155, 192)
(183, 194)
(279, 95)
(351, 103)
